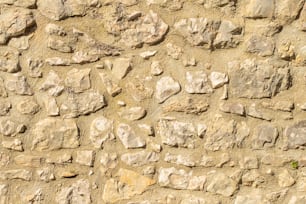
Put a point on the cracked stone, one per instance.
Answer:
(53, 84)
(295, 135)
(21, 174)
(285, 179)
(121, 67)
(218, 79)
(234, 108)
(15, 144)
(259, 9)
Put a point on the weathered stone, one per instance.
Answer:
(295, 135)
(129, 184)
(11, 128)
(16, 174)
(4, 188)
(249, 199)
(85, 157)
(252, 178)
(58, 61)
(18, 84)
(59, 45)
(189, 61)
(111, 86)
(20, 43)
(285, 179)
(109, 160)
(288, 10)
(249, 163)
(82, 104)
(218, 79)
(54, 29)
(66, 173)
(286, 106)
(121, 67)
(51, 106)
(78, 192)
(34, 67)
(258, 78)
(54, 134)
(28, 160)
(148, 54)
(129, 138)
(3, 92)
(32, 195)
(297, 200)
(5, 107)
(180, 159)
(101, 129)
(197, 83)
(186, 105)
(275, 160)
(139, 90)
(133, 113)
(28, 106)
(301, 56)
(53, 84)
(180, 179)
(78, 81)
(14, 22)
(139, 158)
(265, 136)
(156, 68)
(174, 51)
(14, 144)
(254, 112)
(263, 46)
(286, 51)
(175, 133)
(21, 3)
(58, 158)
(259, 9)
(165, 88)
(234, 108)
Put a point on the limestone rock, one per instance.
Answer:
(139, 90)
(28, 106)
(259, 9)
(174, 51)
(58, 158)
(53, 84)
(78, 192)
(34, 67)
(78, 81)
(54, 134)
(21, 3)
(111, 86)
(14, 22)
(51, 106)
(263, 46)
(129, 138)
(286, 105)
(11, 128)
(258, 78)
(140, 158)
(148, 54)
(133, 113)
(176, 134)
(221, 184)
(285, 179)
(197, 83)
(85, 157)
(288, 10)
(121, 67)
(9, 60)
(180, 159)
(109, 160)
(218, 79)
(20, 43)
(265, 136)
(5, 107)
(297, 200)
(21, 174)
(186, 105)
(249, 162)
(234, 108)
(14, 144)
(18, 84)
(28, 160)
(254, 112)
(249, 199)
(82, 104)
(58, 61)
(165, 88)
(129, 184)
(4, 193)
(54, 29)
(156, 68)
(301, 56)
(59, 45)
(286, 51)
(3, 92)
(180, 179)
(101, 129)
(295, 135)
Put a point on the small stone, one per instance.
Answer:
(252, 178)
(297, 200)
(186, 105)
(78, 81)
(249, 199)
(53, 29)
(263, 46)
(285, 179)
(5, 107)
(34, 65)
(255, 113)
(138, 90)
(201, 130)
(275, 160)
(28, 160)
(174, 51)
(53, 134)
(165, 88)
(51, 106)
(286, 106)
(128, 137)
(58, 158)
(4, 188)
(28, 106)
(109, 160)
(59, 45)
(265, 136)
(121, 67)
(11, 128)
(286, 51)
(288, 10)
(147, 129)
(234, 108)
(112, 87)
(45, 174)
(53, 84)
(197, 83)
(301, 56)
(85, 157)
(221, 184)
(180, 159)
(156, 68)
(259, 9)
(66, 173)
(18, 84)
(20, 43)
(295, 135)
(189, 61)
(249, 163)
(101, 129)
(218, 79)
(148, 54)
(139, 158)
(54, 10)
(21, 174)
(133, 113)
(15, 144)
(57, 61)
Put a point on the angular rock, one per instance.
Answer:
(78, 81)
(286, 105)
(259, 9)
(263, 46)
(53, 134)
(3, 92)
(57, 61)
(265, 136)
(59, 45)
(250, 162)
(21, 174)
(5, 107)
(165, 88)
(9, 60)
(28, 106)
(218, 79)
(258, 78)
(256, 113)
(111, 86)
(85, 157)
(221, 184)
(249, 199)
(301, 56)
(295, 135)
(14, 144)
(186, 105)
(234, 108)
(197, 83)
(14, 22)
(133, 113)
(156, 68)
(129, 138)
(18, 84)
(4, 188)
(176, 134)
(58, 158)
(285, 179)
(174, 51)
(140, 158)
(20, 43)
(180, 159)
(109, 160)
(286, 51)
(121, 67)
(139, 90)
(54, 29)
(21, 3)
(34, 67)
(288, 10)
(11, 128)
(297, 200)
(101, 129)
(51, 106)
(148, 54)
(53, 84)
(180, 179)
(28, 160)
(82, 104)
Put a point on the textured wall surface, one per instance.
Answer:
(152, 101)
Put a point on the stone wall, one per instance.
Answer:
(152, 101)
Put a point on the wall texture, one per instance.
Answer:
(152, 101)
